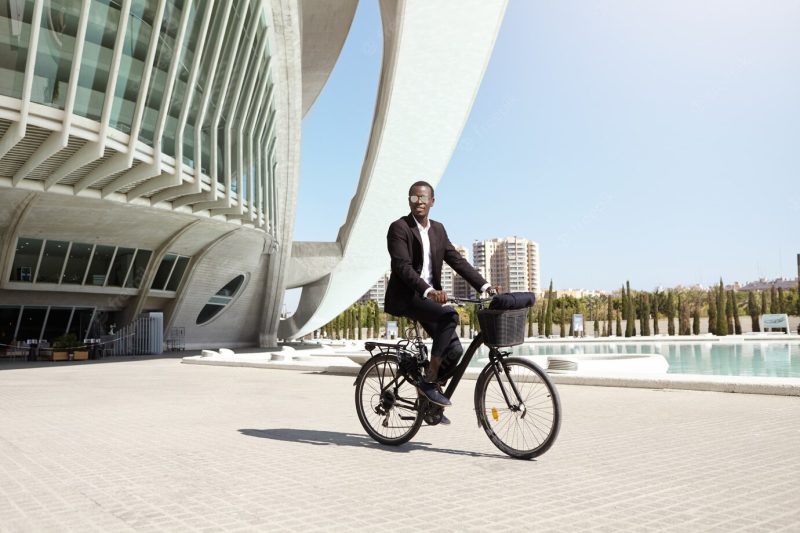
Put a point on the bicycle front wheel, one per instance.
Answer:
(522, 429)
(388, 406)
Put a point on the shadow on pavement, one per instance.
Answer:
(324, 438)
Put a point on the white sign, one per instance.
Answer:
(391, 329)
(577, 324)
(774, 322)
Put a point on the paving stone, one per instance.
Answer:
(155, 445)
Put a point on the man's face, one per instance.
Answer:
(423, 201)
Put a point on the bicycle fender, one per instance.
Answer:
(358, 376)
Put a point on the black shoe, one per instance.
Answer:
(433, 394)
(444, 421)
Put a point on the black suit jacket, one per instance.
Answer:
(405, 249)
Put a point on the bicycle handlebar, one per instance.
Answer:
(461, 301)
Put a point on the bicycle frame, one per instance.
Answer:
(495, 361)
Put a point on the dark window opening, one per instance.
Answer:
(25, 259)
(220, 300)
(52, 261)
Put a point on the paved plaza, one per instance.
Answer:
(156, 445)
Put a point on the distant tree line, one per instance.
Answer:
(629, 313)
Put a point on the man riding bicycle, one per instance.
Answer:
(418, 246)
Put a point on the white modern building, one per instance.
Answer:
(511, 264)
(149, 154)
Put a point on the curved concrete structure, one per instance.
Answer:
(324, 27)
(149, 155)
(434, 57)
(150, 150)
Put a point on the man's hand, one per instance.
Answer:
(440, 297)
(491, 291)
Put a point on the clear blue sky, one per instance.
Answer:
(652, 141)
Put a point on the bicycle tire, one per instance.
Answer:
(392, 430)
(503, 426)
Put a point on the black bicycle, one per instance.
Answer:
(515, 401)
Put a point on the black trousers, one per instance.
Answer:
(440, 322)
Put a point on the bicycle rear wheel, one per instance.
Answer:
(522, 430)
(388, 406)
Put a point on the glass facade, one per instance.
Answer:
(231, 65)
(15, 34)
(170, 272)
(101, 262)
(26, 259)
(75, 271)
(19, 324)
(77, 263)
(139, 269)
(122, 264)
(52, 261)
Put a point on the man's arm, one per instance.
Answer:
(397, 241)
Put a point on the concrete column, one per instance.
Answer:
(288, 115)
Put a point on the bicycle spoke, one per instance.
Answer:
(387, 402)
(523, 421)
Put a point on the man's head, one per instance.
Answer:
(420, 199)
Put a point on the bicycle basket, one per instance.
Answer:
(502, 327)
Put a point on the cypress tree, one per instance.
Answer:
(609, 316)
(548, 316)
(764, 302)
(712, 313)
(655, 312)
(696, 321)
(737, 325)
(670, 311)
(752, 310)
(562, 319)
(781, 303)
(645, 317)
(596, 329)
(798, 300)
(773, 300)
(619, 325)
(729, 312)
(541, 318)
(683, 318)
(623, 306)
(571, 326)
(530, 322)
(722, 322)
(630, 324)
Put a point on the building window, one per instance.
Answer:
(177, 273)
(139, 269)
(220, 300)
(122, 264)
(26, 259)
(78, 260)
(9, 316)
(57, 322)
(30, 326)
(52, 261)
(169, 273)
(101, 261)
(81, 320)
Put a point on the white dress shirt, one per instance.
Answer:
(427, 268)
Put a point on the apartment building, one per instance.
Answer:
(511, 264)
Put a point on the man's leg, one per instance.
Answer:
(440, 322)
